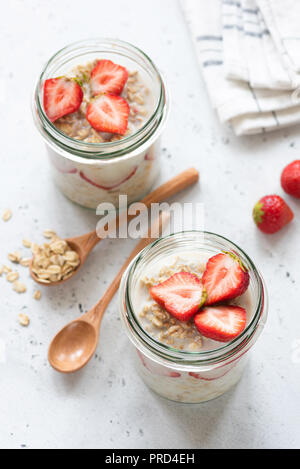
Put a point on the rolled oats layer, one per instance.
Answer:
(159, 323)
(135, 92)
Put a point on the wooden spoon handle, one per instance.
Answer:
(96, 313)
(172, 187)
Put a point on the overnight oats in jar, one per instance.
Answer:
(193, 304)
(101, 106)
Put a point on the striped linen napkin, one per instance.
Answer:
(249, 60)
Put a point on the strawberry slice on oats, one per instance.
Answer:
(108, 113)
(108, 77)
(222, 323)
(225, 278)
(182, 295)
(62, 96)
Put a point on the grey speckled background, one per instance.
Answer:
(106, 405)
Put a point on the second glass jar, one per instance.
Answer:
(190, 377)
(93, 173)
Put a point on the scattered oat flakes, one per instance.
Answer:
(25, 262)
(12, 277)
(49, 234)
(7, 215)
(37, 295)
(19, 287)
(15, 257)
(1, 270)
(6, 269)
(24, 320)
(27, 243)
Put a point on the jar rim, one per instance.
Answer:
(168, 353)
(107, 150)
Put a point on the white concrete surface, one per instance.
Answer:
(107, 405)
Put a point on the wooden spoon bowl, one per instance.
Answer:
(75, 344)
(82, 245)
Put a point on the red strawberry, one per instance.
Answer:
(225, 278)
(271, 214)
(108, 113)
(62, 96)
(222, 323)
(290, 179)
(108, 77)
(182, 295)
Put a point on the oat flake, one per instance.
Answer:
(19, 287)
(37, 295)
(24, 320)
(7, 215)
(12, 277)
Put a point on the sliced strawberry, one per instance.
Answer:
(108, 77)
(108, 113)
(182, 295)
(222, 323)
(225, 278)
(62, 96)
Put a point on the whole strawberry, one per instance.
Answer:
(271, 214)
(290, 179)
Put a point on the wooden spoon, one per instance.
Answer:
(84, 244)
(73, 347)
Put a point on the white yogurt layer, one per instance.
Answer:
(104, 181)
(189, 387)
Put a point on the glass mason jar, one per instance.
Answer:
(190, 377)
(92, 173)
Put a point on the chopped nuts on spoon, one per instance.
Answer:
(54, 261)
